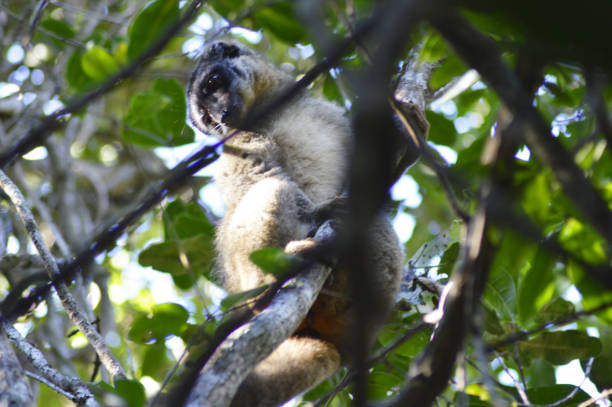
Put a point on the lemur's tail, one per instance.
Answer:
(298, 364)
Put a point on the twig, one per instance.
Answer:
(49, 384)
(36, 19)
(72, 309)
(77, 391)
(605, 393)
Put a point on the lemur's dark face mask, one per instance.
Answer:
(214, 101)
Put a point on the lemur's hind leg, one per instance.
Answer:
(298, 364)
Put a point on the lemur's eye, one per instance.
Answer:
(213, 82)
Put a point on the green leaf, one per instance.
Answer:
(280, 20)
(552, 394)
(536, 286)
(167, 319)
(450, 68)
(593, 292)
(98, 64)
(155, 360)
(273, 260)
(150, 24)
(434, 48)
(75, 75)
(331, 90)
(132, 391)
(513, 256)
(59, 28)
(561, 347)
(442, 130)
(380, 382)
(555, 309)
(601, 372)
(233, 299)
(582, 240)
(541, 373)
(179, 257)
(537, 197)
(185, 219)
(227, 8)
(157, 117)
(447, 262)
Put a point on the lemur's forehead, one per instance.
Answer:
(223, 50)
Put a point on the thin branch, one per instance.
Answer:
(36, 19)
(78, 391)
(604, 394)
(72, 309)
(429, 375)
(49, 384)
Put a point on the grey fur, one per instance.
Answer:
(273, 180)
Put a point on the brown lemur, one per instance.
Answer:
(275, 179)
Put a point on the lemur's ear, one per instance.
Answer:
(222, 50)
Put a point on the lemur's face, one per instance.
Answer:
(214, 90)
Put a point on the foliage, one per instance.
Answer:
(155, 290)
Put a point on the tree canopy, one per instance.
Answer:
(108, 206)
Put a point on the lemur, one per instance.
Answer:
(275, 179)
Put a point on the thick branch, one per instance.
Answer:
(430, 374)
(251, 343)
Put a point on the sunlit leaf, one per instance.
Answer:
(98, 64)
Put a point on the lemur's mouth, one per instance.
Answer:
(208, 119)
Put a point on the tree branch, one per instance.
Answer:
(14, 388)
(254, 341)
(79, 392)
(72, 309)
